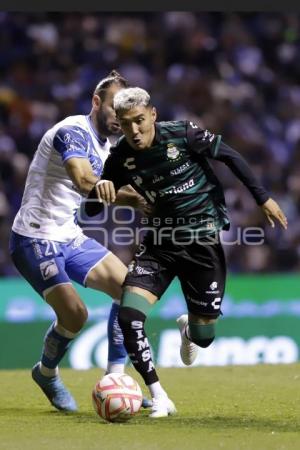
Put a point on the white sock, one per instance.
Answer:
(156, 390)
(114, 368)
(48, 372)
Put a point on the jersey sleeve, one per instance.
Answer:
(239, 166)
(113, 171)
(202, 142)
(71, 142)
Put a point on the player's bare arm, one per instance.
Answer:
(81, 173)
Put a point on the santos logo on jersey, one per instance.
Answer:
(173, 154)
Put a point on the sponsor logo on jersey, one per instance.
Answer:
(183, 187)
(67, 138)
(213, 285)
(208, 136)
(138, 180)
(173, 154)
(37, 249)
(157, 179)
(78, 241)
(142, 271)
(180, 169)
(213, 288)
(48, 269)
(198, 302)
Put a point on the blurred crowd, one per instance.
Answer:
(235, 74)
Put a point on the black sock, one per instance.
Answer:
(136, 342)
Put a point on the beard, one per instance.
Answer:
(106, 128)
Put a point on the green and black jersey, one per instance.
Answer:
(175, 176)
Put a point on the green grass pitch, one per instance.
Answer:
(228, 408)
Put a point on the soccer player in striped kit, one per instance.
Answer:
(168, 164)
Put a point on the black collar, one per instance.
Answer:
(157, 136)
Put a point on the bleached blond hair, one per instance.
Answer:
(129, 98)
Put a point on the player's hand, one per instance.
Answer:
(273, 211)
(105, 191)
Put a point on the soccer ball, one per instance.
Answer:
(117, 397)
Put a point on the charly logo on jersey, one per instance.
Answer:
(129, 163)
(173, 154)
(48, 269)
(216, 304)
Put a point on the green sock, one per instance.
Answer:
(136, 301)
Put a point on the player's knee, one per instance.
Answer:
(202, 335)
(77, 318)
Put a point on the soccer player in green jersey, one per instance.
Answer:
(168, 164)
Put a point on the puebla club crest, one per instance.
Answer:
(173, 154)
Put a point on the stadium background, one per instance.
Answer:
(236, 74)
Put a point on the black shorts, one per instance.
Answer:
(200, 267)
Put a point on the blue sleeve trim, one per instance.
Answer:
(73, 156)
(71, 142)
